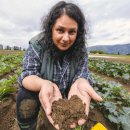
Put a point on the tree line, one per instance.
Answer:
(11, 48)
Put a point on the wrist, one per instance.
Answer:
(46, 83)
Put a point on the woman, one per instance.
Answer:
(55, 66)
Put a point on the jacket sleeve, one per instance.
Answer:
(82, 70)
(31, 64)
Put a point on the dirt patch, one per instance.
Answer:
(96, 116)
(7, 113)
(11, 52)
(66, 112)
(8, 116)
(107, 57)
(119, 58)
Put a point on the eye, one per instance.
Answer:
(72, 32)
(60, 30)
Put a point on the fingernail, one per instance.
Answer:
(100, 98)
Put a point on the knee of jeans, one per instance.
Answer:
(27, 108)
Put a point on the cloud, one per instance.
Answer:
(107, 10)
(111, 32)
(109, 21)
(21, 19)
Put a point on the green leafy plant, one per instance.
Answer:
(113, 69)
(116, 104)
(6, 90)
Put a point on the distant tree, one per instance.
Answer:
(118, 53)
(16, 48)
(7, 47)
(97, 52)
(1, 47)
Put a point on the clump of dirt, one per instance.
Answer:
(66, 112)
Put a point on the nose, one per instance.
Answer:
(65, 37)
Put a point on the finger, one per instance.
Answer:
(86, 100)
(56, 94)
(93, 94)
(46, 104)
(81, 121)
(87, 108)
(73, 125)
(52, 122)
(57, 127)
(87, 104)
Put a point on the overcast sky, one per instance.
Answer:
(109, 20)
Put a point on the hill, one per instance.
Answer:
(112, 49)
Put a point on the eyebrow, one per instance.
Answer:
(73, 28)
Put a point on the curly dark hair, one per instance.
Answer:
(73, 12)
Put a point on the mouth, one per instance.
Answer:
(64, 44)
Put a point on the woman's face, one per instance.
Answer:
(64, 32)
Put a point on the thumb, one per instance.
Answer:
(93, 94)
(46, 105)
(56, 93)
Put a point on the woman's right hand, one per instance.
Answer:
(49, 92)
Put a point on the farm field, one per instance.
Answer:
(10, 68)
(111, 77)
(118, 58)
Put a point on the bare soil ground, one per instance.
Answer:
(8, 113)
(11, 52)
(114, 58)
(8, 116)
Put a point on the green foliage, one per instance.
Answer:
(116, 104)
(9, 63)
(126, 119)
(5, 90)
(6, 86)
(112, 69)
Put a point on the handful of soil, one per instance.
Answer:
(66, 112)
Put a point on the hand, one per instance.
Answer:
(85, 92)
(49, 92)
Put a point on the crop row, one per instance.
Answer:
(7, 85)
(9, 63)
(116, 104)
(112, 69)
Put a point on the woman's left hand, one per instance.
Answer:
(85, 92)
